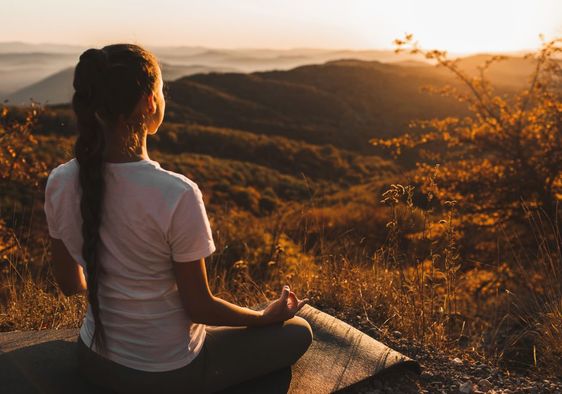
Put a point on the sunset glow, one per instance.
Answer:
(458, 26)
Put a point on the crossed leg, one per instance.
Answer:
(236, 354)
(230, 355)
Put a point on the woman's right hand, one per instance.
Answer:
(282, 308)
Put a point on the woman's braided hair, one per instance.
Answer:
(108, 83)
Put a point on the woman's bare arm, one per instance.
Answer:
(202, 306)
(67, 272)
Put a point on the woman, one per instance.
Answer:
(135, 236)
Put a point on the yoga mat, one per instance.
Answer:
(339, 357)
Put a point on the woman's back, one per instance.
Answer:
(150, 216)
(140, 235)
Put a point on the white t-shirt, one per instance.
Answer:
(150, 216)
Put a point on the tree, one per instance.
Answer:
(18, 159)
(509, 147)
(20, 168)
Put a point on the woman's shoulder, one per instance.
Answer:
(62, 181)
(175, 180)
(63, 171)
(68, 166)
(173, 187)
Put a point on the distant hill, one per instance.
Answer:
(512, 71)
(19, 70)
(344, 102)
(284, 134)
(54, 89)
(57, 88)
(23, 64)
(171, 72)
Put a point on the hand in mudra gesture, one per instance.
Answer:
(284, 307)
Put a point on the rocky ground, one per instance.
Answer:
(448, 373)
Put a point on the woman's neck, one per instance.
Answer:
(119, 151)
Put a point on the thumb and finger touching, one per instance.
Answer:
(294, 304)
(288, 303)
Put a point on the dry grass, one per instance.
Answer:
(416, 282)
(29, 299)
(538, 301)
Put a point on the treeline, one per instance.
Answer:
(279, 153)
(288, 156)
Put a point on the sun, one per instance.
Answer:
(463, 26)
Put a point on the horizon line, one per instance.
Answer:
(388, 49)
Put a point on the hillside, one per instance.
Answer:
(344, 102)
(23, 64)
(19, 69)
(57, 88)
(266, 138)
(307, 120)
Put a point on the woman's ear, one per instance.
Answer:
(152, 104)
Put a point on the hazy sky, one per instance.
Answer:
(455, 25)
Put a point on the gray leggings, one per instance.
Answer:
(230, 355)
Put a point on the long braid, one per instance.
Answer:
(108, 84)
(88, 150)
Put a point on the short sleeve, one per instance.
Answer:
(189, 235)
(50, 214)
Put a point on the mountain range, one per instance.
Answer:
(343, 102)
(44, 71)
(23, 65)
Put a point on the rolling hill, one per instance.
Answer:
(24, 64)
(283, 130)
(57, 88)
(340, 103)
(343, 103)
